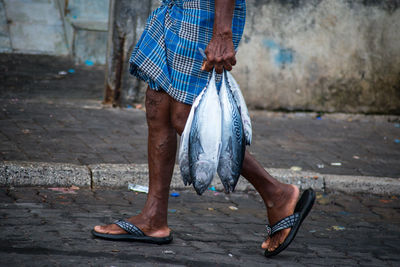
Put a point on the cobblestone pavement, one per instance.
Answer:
(41, 227)
(49, 117)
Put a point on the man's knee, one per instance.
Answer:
(157, 107)
(180, 113)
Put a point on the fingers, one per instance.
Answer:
(233, 60)
(208, 65)
(219, 63)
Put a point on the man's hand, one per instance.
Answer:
(220, 51)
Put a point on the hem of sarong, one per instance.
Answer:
(154, 85)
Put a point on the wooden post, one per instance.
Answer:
(127, 19)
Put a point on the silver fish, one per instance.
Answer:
(205, 138)
(244, 112)
(184, 144)
(233, 143)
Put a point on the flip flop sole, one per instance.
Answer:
(304, 206)
(131, 238)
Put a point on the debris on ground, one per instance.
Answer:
(320, 166)
(65, 190)
(62, 73)
(175, 194)
(385, 201)
(356, 157)
(337, 228)
(233, 208)
(296, 168)
(89, 63)
(336, 164)
(322, 199)
(138, 188)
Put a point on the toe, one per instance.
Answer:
(271, 244)
(97, 228)
(265, 244)
(274, 242)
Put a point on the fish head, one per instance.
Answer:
(203, 173)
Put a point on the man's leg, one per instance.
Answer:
(161, 158)
(280, 199)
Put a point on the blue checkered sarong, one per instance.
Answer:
(167, 55)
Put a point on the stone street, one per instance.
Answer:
(42, 227)
(46, 117)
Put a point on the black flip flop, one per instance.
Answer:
(134, 235)
(293, 221)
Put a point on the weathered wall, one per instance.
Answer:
(326, 55)
(55, 27)
(33, 27)
(341, 55)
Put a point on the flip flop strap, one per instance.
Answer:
(130, 228)
(285, 223)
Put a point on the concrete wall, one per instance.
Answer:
(330, 55)
(325, 55)
(55, 27)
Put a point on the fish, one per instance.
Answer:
(205, 138)
(183, 157)
(244, 112)
(233, 143)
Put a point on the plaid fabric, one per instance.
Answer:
(167, 55)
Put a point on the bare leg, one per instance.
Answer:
(161, 158)
(280, 199)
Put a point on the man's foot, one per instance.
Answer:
(142, 223)
(280, 207)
